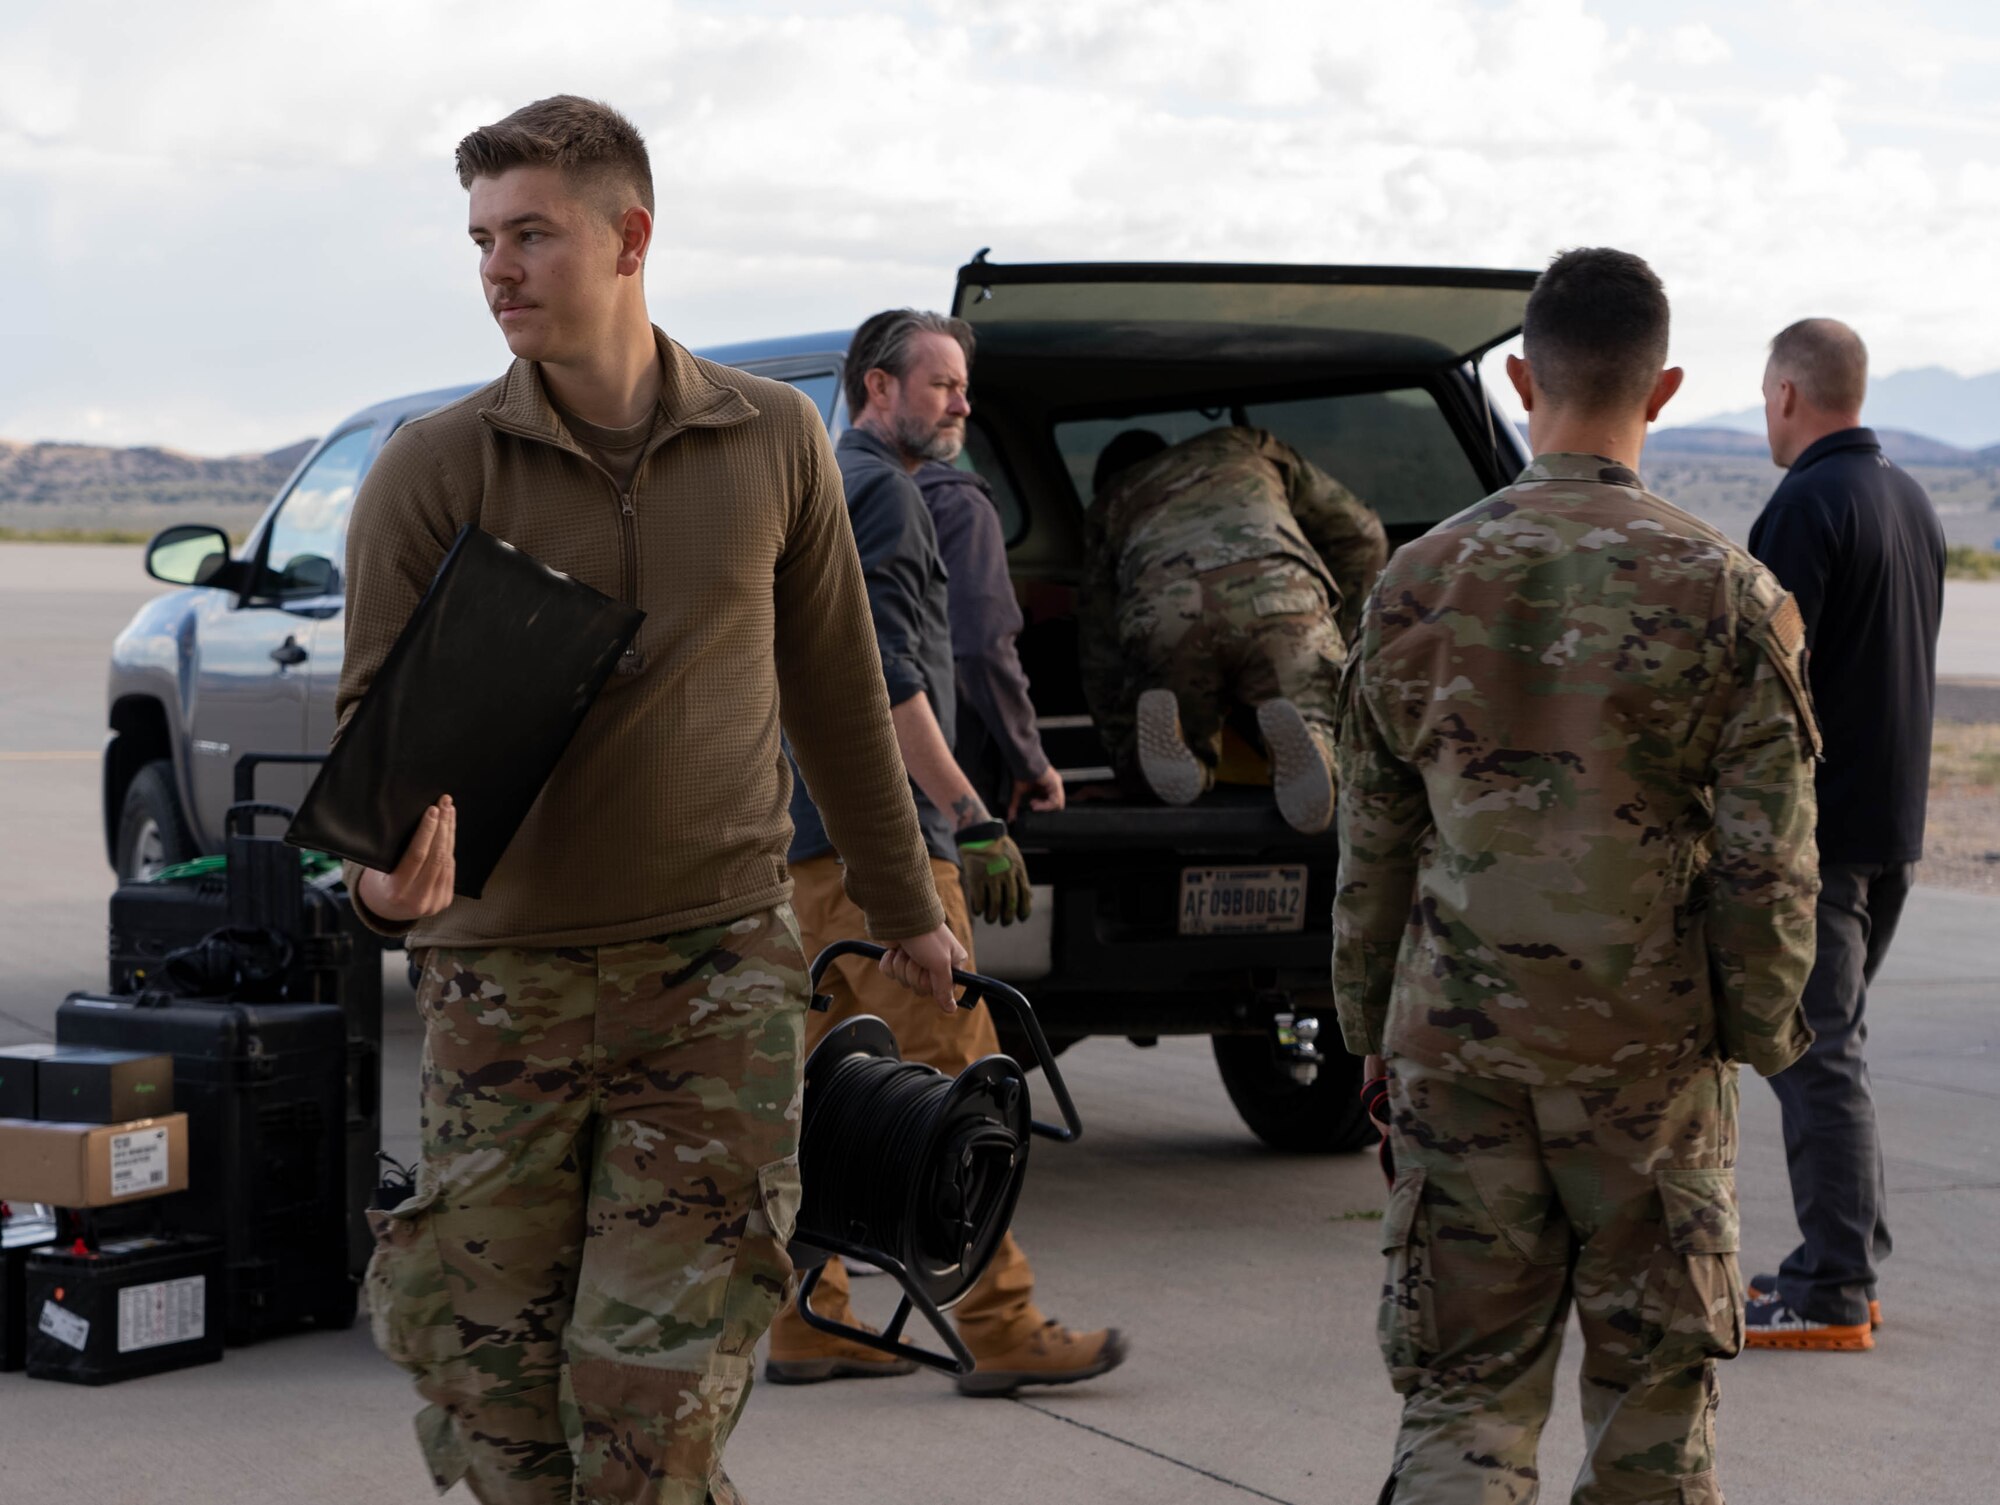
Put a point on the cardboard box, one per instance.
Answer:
(17, 1078)
(93, 1165)
(81, 1084)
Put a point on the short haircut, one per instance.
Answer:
(1825, 360)
(597, 149)
(1595, 330)
(887, 342)
(1129, 448)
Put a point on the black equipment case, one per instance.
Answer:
(265, 1090)
(335, 959)
(131, 1307)
(23, 1230)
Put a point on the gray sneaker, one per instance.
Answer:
(1175, 774)
(1300, 777)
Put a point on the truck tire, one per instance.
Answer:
(152, 832)
(1325, 1118)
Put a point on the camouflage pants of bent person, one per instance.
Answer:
(597, 1239)
(1510, 1201)
(1226, 638)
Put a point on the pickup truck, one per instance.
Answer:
(1150, 920)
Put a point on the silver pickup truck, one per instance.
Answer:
(1372, 372)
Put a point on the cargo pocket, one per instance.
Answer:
(409, 1297)
(1406, 1326)
(1695, 1301)
(762, 1268)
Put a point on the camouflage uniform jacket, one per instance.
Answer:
(1230, 495)
(1576, 805)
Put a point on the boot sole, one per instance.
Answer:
(1834, 1340)
(1172, 772)
(1299, 775)
(818, 1371)
(998, 1384)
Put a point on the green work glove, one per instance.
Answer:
(995, 876)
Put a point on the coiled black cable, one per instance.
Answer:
(227, 963)
(898, 1157)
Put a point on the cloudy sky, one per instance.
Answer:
(224, 225)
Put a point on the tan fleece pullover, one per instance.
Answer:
(668, 812)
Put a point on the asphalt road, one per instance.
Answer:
(1246, 1279)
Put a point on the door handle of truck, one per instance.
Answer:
(288, 653)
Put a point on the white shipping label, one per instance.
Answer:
(168, 1311)
(65, 1326)
(138, 1162)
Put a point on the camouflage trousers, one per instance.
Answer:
(1223, 639)
(597, 1239)
(1509, 1203)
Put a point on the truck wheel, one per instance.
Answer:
(1325, 1118)
(152, 834)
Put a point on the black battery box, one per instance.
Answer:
(131, 1307)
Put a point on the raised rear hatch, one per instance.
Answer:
(1360, 317)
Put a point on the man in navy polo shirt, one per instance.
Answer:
(1857, 543)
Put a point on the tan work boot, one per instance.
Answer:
(1301, 777)
(803, 1355)
(1047, 1355)
(1174, 773)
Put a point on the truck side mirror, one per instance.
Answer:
(188, 554)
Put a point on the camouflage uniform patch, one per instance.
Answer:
(608, 1184)
(1222, 569)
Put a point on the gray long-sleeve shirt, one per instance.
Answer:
(985, 617)
(905, 576)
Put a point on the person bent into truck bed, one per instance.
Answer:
(612, 1033)
(1222, 572)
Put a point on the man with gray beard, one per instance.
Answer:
(906, 389)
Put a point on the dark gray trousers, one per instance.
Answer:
(1831, 1144)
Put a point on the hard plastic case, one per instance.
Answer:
(265, 1090)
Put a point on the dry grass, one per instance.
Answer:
(71, 535)
(1965, 757)
(1963, 562)
(1962, 832)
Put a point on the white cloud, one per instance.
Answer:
(234, 222)
(1696, 45)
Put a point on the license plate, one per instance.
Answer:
(1242, 900)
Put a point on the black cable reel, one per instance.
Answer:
(912, 1171)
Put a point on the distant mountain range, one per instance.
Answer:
(1726, 476)
(1958, 410)
(1945, 427)
(1899, 445)
(103, 478)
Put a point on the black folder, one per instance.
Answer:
(477, 699)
